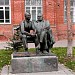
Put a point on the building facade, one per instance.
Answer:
(12, 13)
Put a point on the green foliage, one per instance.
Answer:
(74, 51)
(71, 64)
(5, 57)
(61, 53)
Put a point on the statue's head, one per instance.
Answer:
(39, 17)
(27, 16)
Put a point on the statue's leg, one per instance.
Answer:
(25, 44)
(51, 36)
(43, 41)
(41, 47)
(37, 46)
(48, 44)
(42, 36)
(15, 47)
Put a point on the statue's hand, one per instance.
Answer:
(46, 28)
(33, 35)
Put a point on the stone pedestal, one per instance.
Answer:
(34, 64)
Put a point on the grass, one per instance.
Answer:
(62, 57)
(5, 57)
(60, 52)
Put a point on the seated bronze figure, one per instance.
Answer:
(44, 34)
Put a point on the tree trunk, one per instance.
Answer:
(69, 30)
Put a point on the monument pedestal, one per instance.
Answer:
(34, 64)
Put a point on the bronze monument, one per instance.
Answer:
(38, 32)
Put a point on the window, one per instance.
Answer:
(34, 7)
(72, 10)
(5, 12)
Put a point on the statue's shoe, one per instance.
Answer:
(45, 52)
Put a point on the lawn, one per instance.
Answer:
(62, 57)
(5, 57)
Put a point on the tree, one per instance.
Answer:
(69, 29)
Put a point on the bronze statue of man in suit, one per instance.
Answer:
(44, 34)
(27, 30)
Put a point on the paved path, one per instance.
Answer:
(62, 43)
(3, 45)
(62, 70)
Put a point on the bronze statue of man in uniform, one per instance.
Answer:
(44, 34)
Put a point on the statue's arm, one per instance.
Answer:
(47, 25)
(33, 27)
(26, 33)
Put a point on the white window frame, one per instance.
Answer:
(72, 9)
(9, 12)
(32, 9)
(65, 16)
